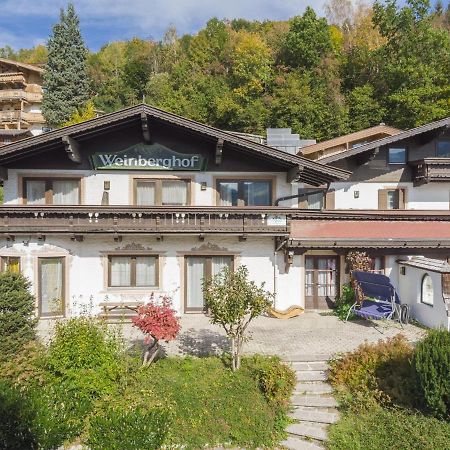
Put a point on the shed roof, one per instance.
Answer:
(429, 264)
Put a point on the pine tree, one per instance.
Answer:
(66, 85)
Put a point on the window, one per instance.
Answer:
(51, 286)
(199, 268)
(443, 148)
(10, 263)
(155, 192)
(133, 271)
(391, 199)
(397, 155)
(41, 191)
(377, 264)
(427, 290)
(244, 192)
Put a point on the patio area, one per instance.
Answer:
(309, 334)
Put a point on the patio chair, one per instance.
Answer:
(380, 300)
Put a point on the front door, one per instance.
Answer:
(321, 281)
(199, 268)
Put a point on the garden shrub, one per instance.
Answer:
(86, 357)
(389, 429)
(432, 364)
(275, 379)
(344, 301)
(373, 374)
(16, 418)
(132, 423)
(17, 320)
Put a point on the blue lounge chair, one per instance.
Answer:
(380, 300)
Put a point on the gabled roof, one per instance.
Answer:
(387, 140)
(21, 65)
(356, 136)
(310, 171)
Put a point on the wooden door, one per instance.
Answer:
(321, 281)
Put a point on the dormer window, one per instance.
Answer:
(397, 155)
(443, 148)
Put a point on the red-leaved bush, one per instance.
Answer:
(157, 320)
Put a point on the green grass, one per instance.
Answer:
(386, 429)
(213, 405)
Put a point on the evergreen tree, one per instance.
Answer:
(66, 86)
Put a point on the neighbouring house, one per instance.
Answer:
(317, 151)
(141, 200)
(395, 206)
(20, 101)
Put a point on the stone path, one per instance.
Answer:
(314, 407)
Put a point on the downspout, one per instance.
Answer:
(275, 274)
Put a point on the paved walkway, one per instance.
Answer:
(309, 334)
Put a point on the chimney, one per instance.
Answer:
(283, 139)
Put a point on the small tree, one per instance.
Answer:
(17, 320)
(233, 302)
(157, 320)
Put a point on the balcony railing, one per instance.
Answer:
(12, 77)
(21, 116)
(19, 94)
(76, 220)
(431, 169)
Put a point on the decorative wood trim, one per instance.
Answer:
(145, 128)
(294, 174)
(72, 148)
(219, 151)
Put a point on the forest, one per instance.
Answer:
(322, 76)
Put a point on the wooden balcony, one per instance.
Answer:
(12, 77)
(430, 170)
(9, 95)
(21, 116)
(81, 220)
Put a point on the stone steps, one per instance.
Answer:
(313, 414)
(319, 387)
(321, 401)
(311, 430)
(311, 375)
(314, 406)
(297, 443)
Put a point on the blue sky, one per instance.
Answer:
(25, 23)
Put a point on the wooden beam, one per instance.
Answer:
(145, 128)
(72, 149)
(219, 151)
(294, 173)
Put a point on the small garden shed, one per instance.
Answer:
(424, 284)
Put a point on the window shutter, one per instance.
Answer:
(330, 200)
(382, 199)
(401, 199)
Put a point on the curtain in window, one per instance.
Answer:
(11, 264)
(228, 193)
(145, 271)
(120, 271)
(51, 286)
(174, 192)
(35, 192)
(326, 277)
(195, 273)
(145, 193)
(257, 193)
(66, 192)
(219, 263)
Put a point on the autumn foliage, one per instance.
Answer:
(157, 320)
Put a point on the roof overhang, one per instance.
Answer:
(299, 168)
(443, 123)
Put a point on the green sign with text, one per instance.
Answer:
(147, 157)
